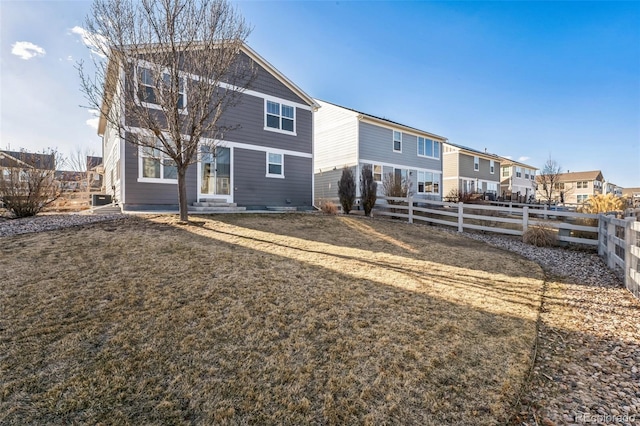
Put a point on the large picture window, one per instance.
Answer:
(280, 116)
(428, 147)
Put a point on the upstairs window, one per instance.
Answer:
(492, 166)
(533, 175)
(397, 141)
(476, 163)
(526, 173)
(518, 172)
(148, 88)
(428, 148)
(506, 171)
(280, 117)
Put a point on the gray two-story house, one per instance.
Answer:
(348, 138)
(266, 161)
(468, 171)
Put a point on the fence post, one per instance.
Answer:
(611, 247)
(410, 202)
(628, 241)
(525, 219)
(602, 236)
(510, 208)
(460, 218)
(545, 212)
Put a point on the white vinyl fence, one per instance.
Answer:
(619, 245)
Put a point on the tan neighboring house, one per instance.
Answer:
(517, 180)
(470, 171)
(574, 187)
(633, 194)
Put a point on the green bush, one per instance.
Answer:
(347, 190)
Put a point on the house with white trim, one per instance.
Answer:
(517, 181)
(469, 171)
(345, 137)
(266, 161)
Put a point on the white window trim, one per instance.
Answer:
(492, 167)
(150, 66)
(273, 175)
(273, 129)
(393, 141)
(476, 163)
(433, 149)
(435, 181)
(143, 179)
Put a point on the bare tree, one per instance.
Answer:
(77, 161)
(548, 179)
(174, 67)
(27, 181)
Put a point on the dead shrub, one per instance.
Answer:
(329, 208)
(539, 236)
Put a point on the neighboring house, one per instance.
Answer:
(13, 160)
(574, 187)
(348, 138)
(95, 172)
(517, 180)
(267, 161)
(633, 194)
(612, 188)
(17, 162)
(469, 171)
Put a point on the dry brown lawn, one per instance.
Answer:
(262, 319)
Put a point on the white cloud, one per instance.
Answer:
(95, 42)
(93, 122)
(523, 158)
(27, 50)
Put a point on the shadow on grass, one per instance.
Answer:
(162, 324)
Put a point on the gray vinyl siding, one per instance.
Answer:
(249, 118)
(266, 83)
(466, 168)
(253, 190)
(157, 194)
(376, 144)
(326, 183)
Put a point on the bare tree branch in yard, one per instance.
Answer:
(77, 161)
(549, 179)
(172, 68)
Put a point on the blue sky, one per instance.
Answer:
(526, 80)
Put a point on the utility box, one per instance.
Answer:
(100, 199)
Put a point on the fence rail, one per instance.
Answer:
(617, 240)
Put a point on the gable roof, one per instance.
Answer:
(29, 159)
(112, 68)
(575, 176)
(475, 151)
(381, 120)
(508, 161)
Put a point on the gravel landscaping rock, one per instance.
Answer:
(9, 227)
(588, 352)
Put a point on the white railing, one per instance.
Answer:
(619, 245)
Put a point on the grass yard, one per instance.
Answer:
(262, 319)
